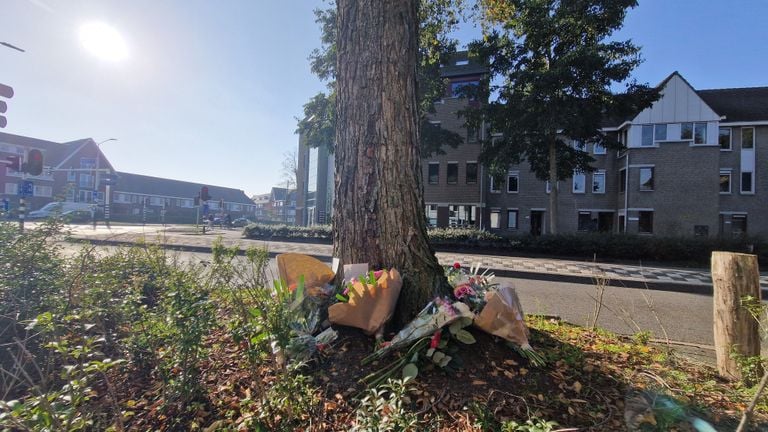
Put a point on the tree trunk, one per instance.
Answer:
(553, 185)
(379, 207)
(734, 276)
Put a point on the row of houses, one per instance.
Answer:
(78, 171)
(692, 166)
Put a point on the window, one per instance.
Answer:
(122, 198)
(660, 132)
(686, 131)
(747, 183)
(646, 179)
(747, 138)
(724, 138)
(431, 211)
(86, 181)
(11, 188)
(493, 187)
(645, 222)
(471, 172)
(647, 137)
(579, 145)
(622, 180)
(434, 172)
(598, 182)
(579, 183)
(156, 201)
(472, 135)
(495, 217)
(461, 215)
(88, 163)
(71, 176)
(453, 172)
(44, 191)
(458, 89)
(598, 149)
(699, 133)
(584, 222)
(512, 219)
(513, 182)
(739, 225)
(725, 182)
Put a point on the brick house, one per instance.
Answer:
(75, 171)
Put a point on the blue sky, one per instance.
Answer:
(210, 89)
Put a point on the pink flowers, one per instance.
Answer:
(463, 290)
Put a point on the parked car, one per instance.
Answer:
(60, 209)
(241, 222)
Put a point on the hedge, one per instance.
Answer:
(603, 246)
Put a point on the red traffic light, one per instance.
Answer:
(204, 193)
(34, 165)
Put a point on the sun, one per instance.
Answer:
(103, 41)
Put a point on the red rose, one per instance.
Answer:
(456, 265)
(435, 339)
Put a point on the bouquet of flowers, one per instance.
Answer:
(424, 337)
(470, 287)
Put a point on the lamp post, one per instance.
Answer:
(107, 192)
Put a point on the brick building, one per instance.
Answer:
(75, 171)
(691, 167)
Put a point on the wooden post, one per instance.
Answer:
(734, 276)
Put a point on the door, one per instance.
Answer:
(537, 219)
(605, 221)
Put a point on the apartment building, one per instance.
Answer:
(695, 164)
(691, 167)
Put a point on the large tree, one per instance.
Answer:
(379, 205)
(552, 67)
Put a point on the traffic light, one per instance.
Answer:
(15, 163)
(204, 193)
(34, 165)
(6, 92)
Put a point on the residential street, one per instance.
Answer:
(657, 303)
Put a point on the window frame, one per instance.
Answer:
(491, 185)
(623, 180)
(642, 187)
(595, 146)
(647, 213)
(516, 176)
(595, 174)
(656, 128)
(752, 145)
(583, 178)
(466, 172)
(703, 126)
(730, 138)
(455, 165)
(724, 173)
(516, 219)
(650, 129)
(579, 226)
(751, 190)
(493, 212)
(429, 173)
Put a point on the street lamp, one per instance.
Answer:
(107, 192)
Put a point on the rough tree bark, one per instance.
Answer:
(379, 206)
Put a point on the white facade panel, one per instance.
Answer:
(635, 136)
(673, 132)
(713, 132)
(748, 160)
(678, 103)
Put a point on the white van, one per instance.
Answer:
(59, 209)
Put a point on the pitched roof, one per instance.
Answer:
(738, 104)
(54, 154)
(142, 184)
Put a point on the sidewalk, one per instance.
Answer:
(674, 279)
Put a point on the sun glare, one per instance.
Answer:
(103, 41)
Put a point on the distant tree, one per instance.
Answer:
(552, 65)
(290, 169)
(437, 18)
(379, 205)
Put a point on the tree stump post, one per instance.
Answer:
(734, 276)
